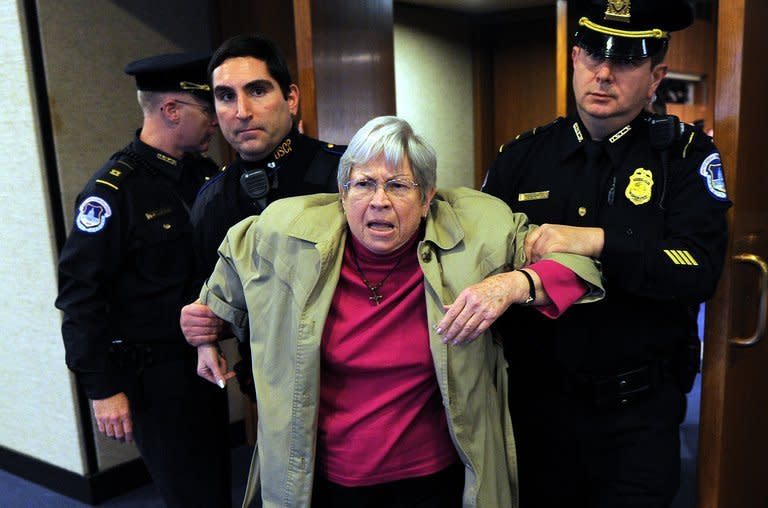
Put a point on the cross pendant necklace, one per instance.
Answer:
(375, 297)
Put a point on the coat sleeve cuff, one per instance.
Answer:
(100, 385)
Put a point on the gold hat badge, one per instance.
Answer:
(618, 10)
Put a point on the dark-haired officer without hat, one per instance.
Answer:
(597, 396)
(256, 104)
(125, 272)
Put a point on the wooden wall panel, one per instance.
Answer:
(514, 77)
(353, 65)
(273, 18)
(524, 76)
(692, 50)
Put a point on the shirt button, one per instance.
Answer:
(630, 232)
(426, 255)
(582, 211)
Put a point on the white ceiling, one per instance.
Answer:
(479, 5)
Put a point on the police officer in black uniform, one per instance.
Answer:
(125, 272)
(597, 396)
(256, 102)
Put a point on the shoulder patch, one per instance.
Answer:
(529, 134)
(711, 170)
(92, 215)
(114, 176)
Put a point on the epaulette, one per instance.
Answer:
(691, 135)
(116, 173)
(334, 149)
(322, 170)
(212, 179)
(529, 134)
(669, 133)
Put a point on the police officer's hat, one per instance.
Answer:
(629, 29)
(176, 72)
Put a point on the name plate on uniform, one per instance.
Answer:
(533, 196)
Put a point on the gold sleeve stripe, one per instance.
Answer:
(688, 257)
(681, 257)
(107, 184)
(673, 256)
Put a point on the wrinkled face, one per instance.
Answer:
(197, 124)
(383, 222)
(613, 92)
(253, 114)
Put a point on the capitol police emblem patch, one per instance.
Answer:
(714, 178)
(93, 215)
(638, 190)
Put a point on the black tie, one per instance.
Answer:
(584, 198)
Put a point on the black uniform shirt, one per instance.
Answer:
(300, 165)
(125, 268)
(665, 237)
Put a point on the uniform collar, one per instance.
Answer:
(616, 145)
(156, 159)
(282, 153)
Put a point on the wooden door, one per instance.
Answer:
(733, 439)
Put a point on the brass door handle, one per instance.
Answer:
(760, 328)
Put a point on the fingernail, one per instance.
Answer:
(438, 330)
(221, 383)
(455, 342)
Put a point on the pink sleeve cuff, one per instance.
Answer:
(562, 285)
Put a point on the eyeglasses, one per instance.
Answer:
(207, 110)
(366, 187)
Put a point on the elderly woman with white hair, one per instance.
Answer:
(377, 380)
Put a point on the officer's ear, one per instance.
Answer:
(170, 110)
(658, 73)
(293, 99)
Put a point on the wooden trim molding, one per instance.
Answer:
(302, 19)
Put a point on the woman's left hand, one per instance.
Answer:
(476, 308)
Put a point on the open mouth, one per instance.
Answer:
(381, 226)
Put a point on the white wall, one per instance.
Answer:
(38, 416)
(433, 83)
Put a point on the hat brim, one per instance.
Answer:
(614, 47)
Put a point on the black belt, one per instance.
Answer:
(622, 388)
(136, 355)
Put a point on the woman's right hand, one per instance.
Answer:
(212, 366)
